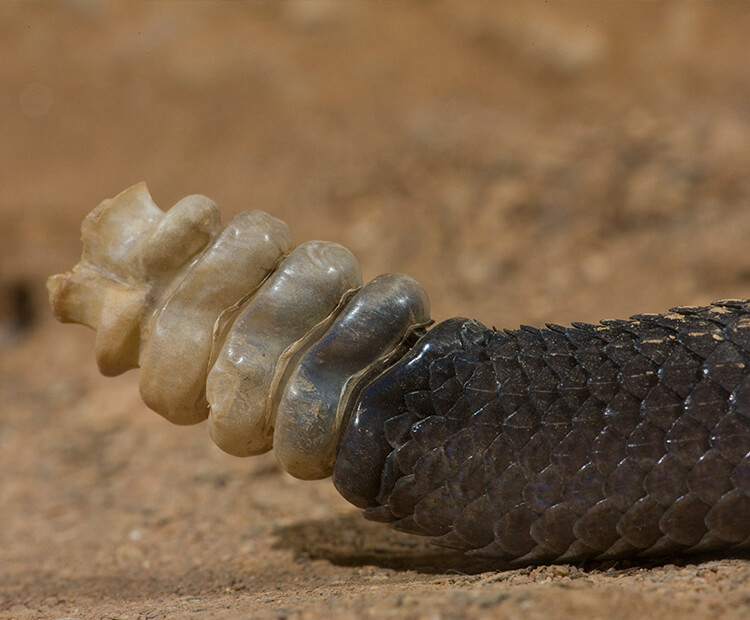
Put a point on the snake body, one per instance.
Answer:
(534, 445)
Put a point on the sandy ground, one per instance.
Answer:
(527, 163)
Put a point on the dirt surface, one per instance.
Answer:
(526, 162)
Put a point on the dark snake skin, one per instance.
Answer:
(628, 438)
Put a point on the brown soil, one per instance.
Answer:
(526, 162)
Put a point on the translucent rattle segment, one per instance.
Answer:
(175, 357)
(371, 326)
(303, 292)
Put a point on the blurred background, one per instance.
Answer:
(526, 162)
(518, 159)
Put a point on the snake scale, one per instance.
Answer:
(626, 438)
